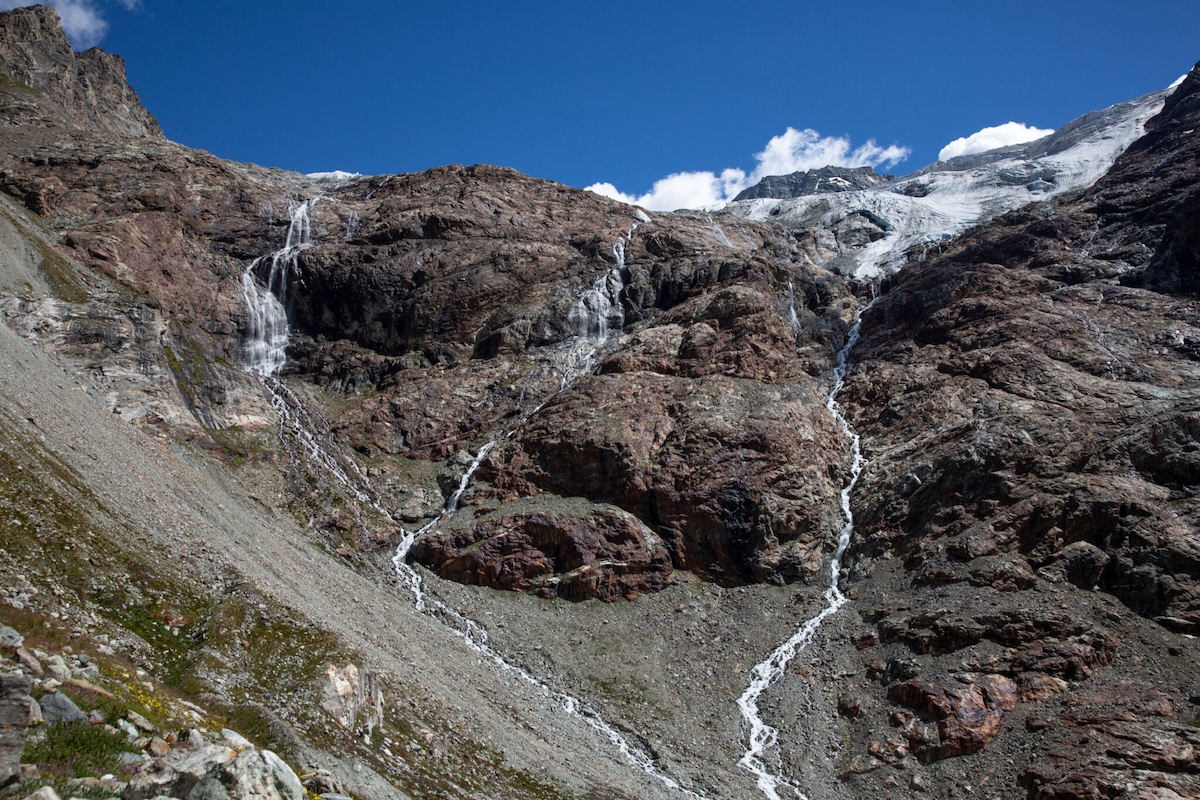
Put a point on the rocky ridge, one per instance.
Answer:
(824, 180)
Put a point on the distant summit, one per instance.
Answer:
(826, 180)
(90, 87)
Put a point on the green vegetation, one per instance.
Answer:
(77, 750)
(10, 84)
(61, 278)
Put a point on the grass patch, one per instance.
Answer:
(10, 84)
(76, 750)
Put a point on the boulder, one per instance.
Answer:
(15, 717)
(253, 775)
(178, 772)
(10, 638)
(967, 718)
(604, 554)
(57, 707)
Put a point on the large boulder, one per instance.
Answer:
(15, 717)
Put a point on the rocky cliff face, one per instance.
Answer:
(640, 407)
(90, 87)
(1026, 399)
(825, 180)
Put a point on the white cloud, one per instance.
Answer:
(792, 151)
(80, 20)
(991, 138)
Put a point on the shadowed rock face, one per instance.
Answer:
(88, 86)
(825, 180)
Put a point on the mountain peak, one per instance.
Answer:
(823, 180)
(91, 87)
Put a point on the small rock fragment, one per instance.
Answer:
(141, 722)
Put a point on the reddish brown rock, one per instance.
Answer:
(604, 553)
(967, 718)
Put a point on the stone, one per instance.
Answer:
(236, 740)
(58, 669)
(849, 706)
(967, 718)
(44, 793)
(30, 662)
(158, 747)
(354, 698)
(15, 718)
(178, 772)
(141, 723)
(57, 707)
(606, 554)
(10, 638)
(322, 782)
(254, 773)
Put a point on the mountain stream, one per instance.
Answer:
(761, 736)
(592, 317)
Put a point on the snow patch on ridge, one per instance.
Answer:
(950, 196)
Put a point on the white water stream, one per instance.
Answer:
(266, 345)
(762, 736)
(593, 316)
(597, 311)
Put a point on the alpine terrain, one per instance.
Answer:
(466, 484)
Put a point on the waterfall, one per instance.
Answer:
(599, 308)
(307, 439)
(722, 237)
(597, 312)
(761, 736)
(266, 306)
(793, 318)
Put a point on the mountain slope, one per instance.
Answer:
(525, 386)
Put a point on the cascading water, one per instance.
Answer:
(266, 344)
(592, 317)
(761, 736)
(594, 314)
(792, 317)
(307, 439)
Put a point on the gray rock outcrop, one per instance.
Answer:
(57, 707)
(824, 180)
(14, 719)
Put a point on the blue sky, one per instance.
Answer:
(621, 92)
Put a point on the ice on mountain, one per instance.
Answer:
(948, 197)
